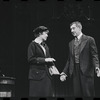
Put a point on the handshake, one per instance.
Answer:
(63, 76)
(54, 71)
(98, 72)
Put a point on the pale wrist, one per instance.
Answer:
(63, 74)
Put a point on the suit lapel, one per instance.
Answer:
(46, 50)
(72, 46)
(40, 48)
(43, 51)
(83, 42)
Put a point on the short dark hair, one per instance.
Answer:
(77, 23)
(39, 30)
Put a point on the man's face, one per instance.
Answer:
(75, 30)
(44, 35)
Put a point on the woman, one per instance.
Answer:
(39, 60)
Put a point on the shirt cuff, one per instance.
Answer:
(63, 74)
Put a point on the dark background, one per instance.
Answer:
(19, 17)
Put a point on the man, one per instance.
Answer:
(82, 60)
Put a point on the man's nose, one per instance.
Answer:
(71, 30)
(47, 35)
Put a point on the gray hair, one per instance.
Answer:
(77, 23)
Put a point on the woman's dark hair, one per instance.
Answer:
(39, 30)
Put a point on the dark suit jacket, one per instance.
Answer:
(88, 56)
(36, 58)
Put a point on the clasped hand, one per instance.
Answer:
(98, 72)
(63, 77)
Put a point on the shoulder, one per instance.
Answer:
(71, 41)
(32, 44)
(90, 38)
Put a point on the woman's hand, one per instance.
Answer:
(49, 59)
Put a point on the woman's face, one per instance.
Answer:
(44, 35)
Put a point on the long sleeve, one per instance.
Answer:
(67, 65)
(94, 53)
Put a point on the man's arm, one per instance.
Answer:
(95, 57)
(65, 71)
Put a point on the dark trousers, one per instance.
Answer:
(82, 85)
(77, 81)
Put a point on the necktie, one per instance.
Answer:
(43, 47)
(76, 41)
(43, 44)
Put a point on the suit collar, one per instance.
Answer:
(82, 43)
(39, 45)
(79, 37)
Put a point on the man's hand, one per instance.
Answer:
(98, 72)
(63, 76)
